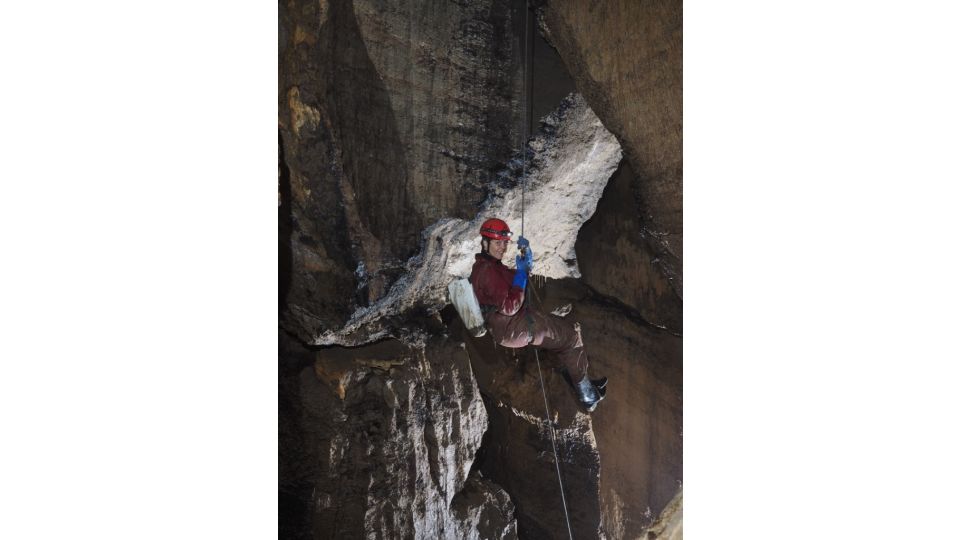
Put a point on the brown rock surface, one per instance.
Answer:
(573, 157)
(621, 259)
(622, 464)
(392, 115)
(625, 57)
(669, 526)
(399, 127)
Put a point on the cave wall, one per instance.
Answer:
(378, 442)
(399, 127)
(392, 115)
(517, 451)
(622, 464)
(619, 258)
(639, 426)
(626, 58)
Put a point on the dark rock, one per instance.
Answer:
(626, 58)
(384, 437)
(393, 115)
(622, 464)
(620, 259)
(400, 130)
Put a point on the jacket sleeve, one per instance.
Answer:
(495, 289)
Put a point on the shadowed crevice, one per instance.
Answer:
(285, 227)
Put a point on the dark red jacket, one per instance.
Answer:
(493, 285)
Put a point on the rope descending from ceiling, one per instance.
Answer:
(523, 188)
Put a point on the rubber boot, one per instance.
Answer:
(588, 394)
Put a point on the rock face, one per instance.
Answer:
(621, 464)
(483, 510)
(399, 134)
(669, 526)
(626, 59)
(392, 115)
(387, 435)
(573, 157)
(639, 426)
(621, 259)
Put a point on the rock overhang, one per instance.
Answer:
(570, 161)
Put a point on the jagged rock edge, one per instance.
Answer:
(423, 284)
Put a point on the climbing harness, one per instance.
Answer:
(523, 189)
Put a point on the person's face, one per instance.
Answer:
(498, 248)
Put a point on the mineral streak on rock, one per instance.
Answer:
(450, 71)
(573, 156)
(390, 433)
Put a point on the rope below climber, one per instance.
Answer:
(513, 324)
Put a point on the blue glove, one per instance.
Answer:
(520, 278)
(524, 245)
(524, 262)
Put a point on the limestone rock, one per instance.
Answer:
(399, 134)
(392, 115)
(389, 433)
(573, 156)
(484, 511)
(621, 259)
(669, 526)
(621, 464)
(626, 58)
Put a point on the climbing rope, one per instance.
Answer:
(523, 190)
(526, 120)
(553, 441)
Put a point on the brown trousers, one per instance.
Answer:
(549, 332)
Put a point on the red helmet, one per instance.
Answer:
(496, 229)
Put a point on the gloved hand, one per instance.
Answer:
(520, 278)
(527, 255)
(523, 264)
(523, 243)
